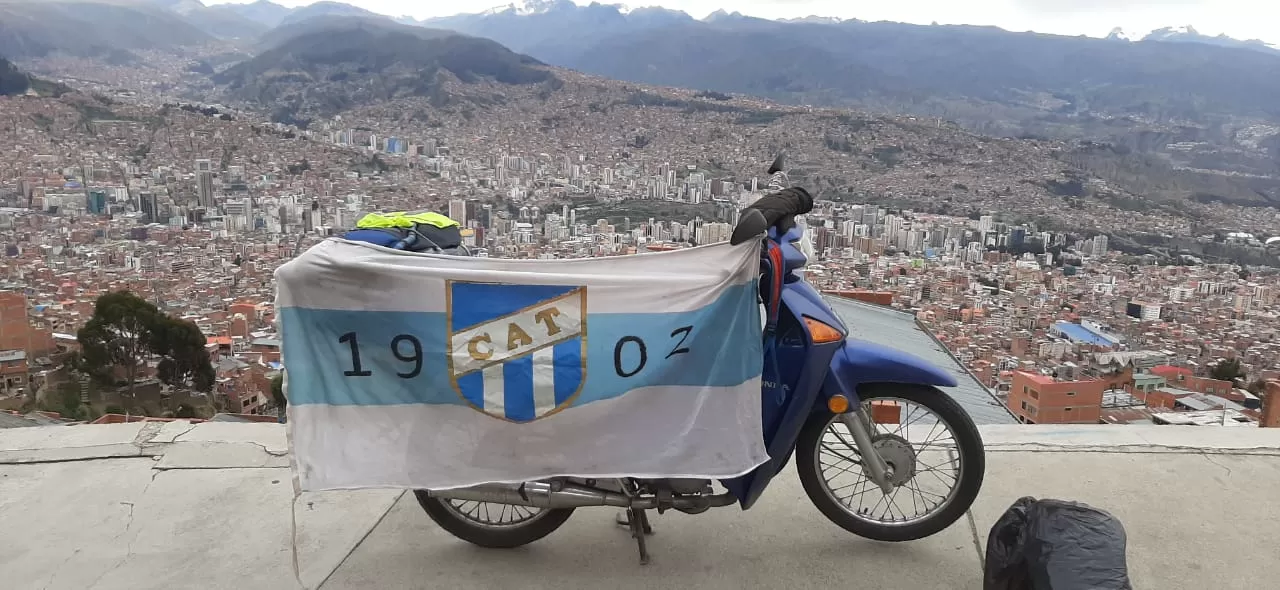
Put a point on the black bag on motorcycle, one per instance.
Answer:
(1056, 545)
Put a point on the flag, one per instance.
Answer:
(424, 371)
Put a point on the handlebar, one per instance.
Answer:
(776, 209)
(778, 179)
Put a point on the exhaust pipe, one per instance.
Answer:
(541, 494)
(538, 494)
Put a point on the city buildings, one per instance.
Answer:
(197, 222)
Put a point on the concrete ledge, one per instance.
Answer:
(1131, 438)
(157, 439)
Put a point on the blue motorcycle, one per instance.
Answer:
(869, 427)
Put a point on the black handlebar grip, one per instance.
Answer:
(750, 226)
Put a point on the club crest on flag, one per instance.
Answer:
(517, 352)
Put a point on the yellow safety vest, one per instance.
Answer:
(404, 220)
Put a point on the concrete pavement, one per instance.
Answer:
(165, 506)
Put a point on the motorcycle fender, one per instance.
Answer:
(859, 362)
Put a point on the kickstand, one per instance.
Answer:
(636, 520)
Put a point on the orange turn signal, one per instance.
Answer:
(838, 404)
(822, 333)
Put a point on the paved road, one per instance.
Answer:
(782, 542)
(134, 507)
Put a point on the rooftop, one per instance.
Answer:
(900, 330)
(1038, 378)
(177, 505)
(1079, 333)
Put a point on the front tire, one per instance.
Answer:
(454, 517)
(904, 449)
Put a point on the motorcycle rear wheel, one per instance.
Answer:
(494, 535)
(968, 453)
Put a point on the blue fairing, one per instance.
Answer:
(801, 374)
(861, 362)
(795, 387)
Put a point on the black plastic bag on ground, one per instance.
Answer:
(1056, 545)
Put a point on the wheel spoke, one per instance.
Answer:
(833, 451)
(909, 452)
(483, 513)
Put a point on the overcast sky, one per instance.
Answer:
(1243, 19)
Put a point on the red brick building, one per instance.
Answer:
(1183, 378)
(1040, 399)
(20, 343)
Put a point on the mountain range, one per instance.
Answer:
(994, 81)
(1188, 34)
(1174, 104)
(936, 70)
(28, 18)
(1173, 87)
(109, 30)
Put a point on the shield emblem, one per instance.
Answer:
(517, 352)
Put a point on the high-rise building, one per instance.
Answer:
(148, 206)
(1099, 245)
(1017, 236)
(458, 211)
(96, 202)
(204, 183)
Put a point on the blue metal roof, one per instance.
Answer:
(1078, 333)
(900, 330)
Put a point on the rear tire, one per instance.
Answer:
(504, 536)
(969, 449)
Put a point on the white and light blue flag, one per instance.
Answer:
(422, 371)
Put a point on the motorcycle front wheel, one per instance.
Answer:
(496, 526)
(931, 445)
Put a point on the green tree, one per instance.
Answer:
(118, 335)
(1227, 370)
(185, 362)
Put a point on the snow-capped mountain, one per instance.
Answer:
(1119, 34)
(824, 20)
(1189, 34)
(1183, 33)
(529, 7)
(723, 16)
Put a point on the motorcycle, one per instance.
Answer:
(828, 400)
